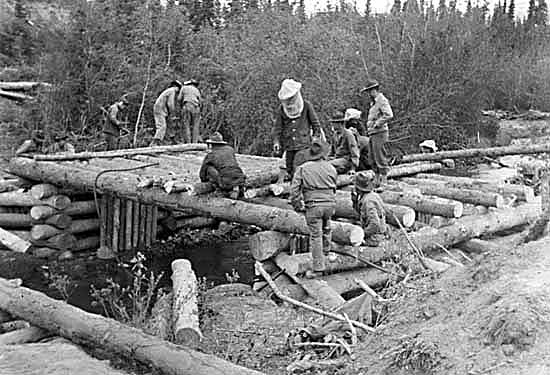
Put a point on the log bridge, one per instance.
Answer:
(138, 190)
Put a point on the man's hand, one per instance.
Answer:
(299, 206)
(276, 148)
(351, 172)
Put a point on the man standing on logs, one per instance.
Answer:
(370, 208)
(191, 99)
(220, 168)
(113, 124)
(313, 190)
(345, 151)
(295, 121)
(380, 113)
(166, 108)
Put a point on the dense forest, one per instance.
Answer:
(439, 66)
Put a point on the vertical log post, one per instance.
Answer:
(185, 311)
(135, 224)
(116, 224)
(155, 219)
(128, 229)
(142, 218)
(122, 219)
(148, 224)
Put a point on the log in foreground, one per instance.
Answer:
(84, 328)
(477, 152)
(185, 310)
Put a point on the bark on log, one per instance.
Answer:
(86, 243)
(477, 152)
(43, 191)
(477, 246)
(19, 199)
(43, 232)
(460, 194)
(44, 252)
(116, 225)
(185, 310)
(84, 328)
(23, 336)
(42, 212)
(15, 220)
(61, 221)
(343, 282)
(81, 208)
(196, 222)
(84, 225)
(13, 242)
(128, 224)
(124, 152)
(5, 317)
(62, 241)
(422, 203)
(522, 192)
(15, 95)
(413, 168)
(125, 185)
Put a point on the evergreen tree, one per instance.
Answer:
(396, 8)
(301, 10)
(531, 11)
(411, 6)
(368, 8)
(541, 13)
(512, 10)
(469, 9)
(442, 9)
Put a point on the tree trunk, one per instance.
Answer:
(39, 213)
(124, 152)
(23, 336)
(522, 192)
(44, 252)
(343, 282)
(477, 152)
(421, 203)
(84, 328)
(13, 242)
(43, 191)
(185, 310)
(15, 95)
(19, 199)
(287, 286)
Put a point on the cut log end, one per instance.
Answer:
(499, 201)
(357, 236)
(188, 337)
(458, 210)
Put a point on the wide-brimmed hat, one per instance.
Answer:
(193, 82)
(176, 83)
(352, 114)
(318, 149)
(289, 88)
(364, 181)
(124, 99)
(338, 116)
(370, 84)
(216, 139)
(429, 143)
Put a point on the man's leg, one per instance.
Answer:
(342, 165)
(196, 121)
(111, 141)
(380, 157)
(186, 119)
(289, 160)
(327, 232)
(314, 223)
(160, 125)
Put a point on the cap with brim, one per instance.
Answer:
(338, 117)
(364, 181)
(371, 84)
(318, 149)
(216, 139)
(289, 88)
(429, 143)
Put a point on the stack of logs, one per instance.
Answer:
(46, 219)
(441, 203)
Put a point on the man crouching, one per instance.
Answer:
(313, 190)
(370, 208)
(220, 168)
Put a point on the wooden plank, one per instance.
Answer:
(154, 227)
(109, 232)
(103, 220)
(142, 218)
(135, 224)
(128, 224)
(148, 224)
(116, 224)
(121, 233)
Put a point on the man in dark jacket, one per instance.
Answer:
(113, 124)
(220, 167)
(313, 189)
(295, 123)
(345, 152)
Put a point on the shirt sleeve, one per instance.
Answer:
(313, 120)
(296, 188)
(277, 127)
(113, 114)
(353, 149)
(204, 167)
(369, 219)
(386, 113)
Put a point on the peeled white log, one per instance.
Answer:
(42, 191)
(23, 86)
(185, 310)
(82, 327)
(13, 242)
(196, 222)
(421, 203)
(343, 282)
(13, 325)
(23, 336)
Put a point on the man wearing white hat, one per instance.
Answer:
(295, 121)
(344, 151)
(428, 146)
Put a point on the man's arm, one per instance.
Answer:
(296, 197)
(386, 111)
(369, 219)
(313, 120)
(204, 167)
(353, 149)
(113, 114)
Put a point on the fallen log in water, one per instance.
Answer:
(477, 152)
(20, 199)
(522, 192)
(123, 152)
(84, 328)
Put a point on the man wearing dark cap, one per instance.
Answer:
(190, 98)
(380, 113)
(166, 108)
(370, 208)
(344, 152)
(313, 189)
(113, 124)
(220, 167)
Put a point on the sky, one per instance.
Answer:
(384, 6)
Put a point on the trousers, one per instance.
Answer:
(318, 218)
(191, 120)
(378, 154)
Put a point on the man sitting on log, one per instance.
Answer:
(313, 190)
(113, 124)
(345, 153)
(370, 208)
(220, 168)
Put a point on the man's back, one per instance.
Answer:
(373, 214)
(223, 159)
(190, 94)
(166, 102)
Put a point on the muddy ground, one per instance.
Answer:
(490, 317)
